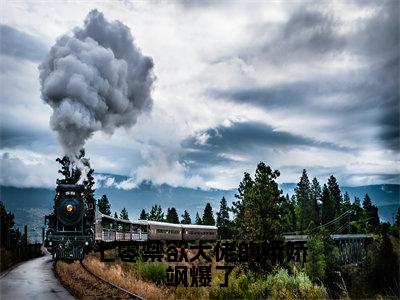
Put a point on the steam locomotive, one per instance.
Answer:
(76, 226)
(70, 228)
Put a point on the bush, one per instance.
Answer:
(283, 286)
(276, 286)
(149, 271)
(238, 288)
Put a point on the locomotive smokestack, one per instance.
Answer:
(95, 80)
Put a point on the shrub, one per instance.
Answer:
(149, 271)
(283, 286)
(276, 286)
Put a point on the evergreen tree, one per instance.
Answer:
(336, 195)
(332, 279)
(371, 213)
(358, 223)
(104, 205)
(143, 215)
(115, 215)
(124, 214)
(328, 205)
(346, 202)
(315, 266)
(186, 218)
(397, 220)
(259, 206)
(198, 220)
(356, 207)
(156, 214)
(6, 225)
(303, 195)
(208, 217)
(316, 195)
(239, 207)
(347, 207)
(172, 216)
(223, 222)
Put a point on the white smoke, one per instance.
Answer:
(95, 80)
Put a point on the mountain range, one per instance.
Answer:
(29, 205)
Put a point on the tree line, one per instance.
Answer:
(156, 213)
(260, 203)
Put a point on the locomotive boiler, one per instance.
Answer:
(70, 228)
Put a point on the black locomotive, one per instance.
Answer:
(70, 228)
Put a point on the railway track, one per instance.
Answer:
(128, 293)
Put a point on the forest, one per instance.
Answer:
(260, 211)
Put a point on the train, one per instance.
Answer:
(76, 227)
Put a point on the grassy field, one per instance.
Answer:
(147, 279)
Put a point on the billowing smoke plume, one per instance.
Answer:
(95, 80)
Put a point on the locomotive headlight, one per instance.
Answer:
(70, 208)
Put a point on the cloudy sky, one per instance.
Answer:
(294, 84)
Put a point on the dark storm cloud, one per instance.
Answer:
(243, 136)
(20, 44)
(12, 136)
(308, 33)
(368, 97)
(291, 95)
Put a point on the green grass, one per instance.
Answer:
(149, 271)
(280, 285)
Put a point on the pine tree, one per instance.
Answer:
(336, 195)
(223, 223)
(143, 215)
(315, 266)
(358, 224)
(397, 220)
(303, 195)
(328, 206)
(156, 214)
(198, 220)
(172, 216)
(115, 215)
(186, 218)
(239, 207)
(371, 213)
(6, 225)
(316, 195)
(124, 214)
(208, 216)
(346, 202)
(347, 208)
(104, 205)
(259, 206)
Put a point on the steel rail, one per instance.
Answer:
(132, 295)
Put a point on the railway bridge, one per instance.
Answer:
(352, 247)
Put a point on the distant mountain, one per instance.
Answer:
(31, 204)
